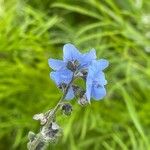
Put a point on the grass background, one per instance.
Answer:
(33, 31)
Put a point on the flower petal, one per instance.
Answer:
(70, 94)
(70, 52)
(89, 82)
(56, 64)
(55, 77)
(100, 78)
(63, 76)
(98, 92)
(101, 64)
(86, 59)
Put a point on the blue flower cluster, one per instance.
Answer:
(76, 64)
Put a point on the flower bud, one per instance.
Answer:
(66, 109)
(83, 100)
(79, 92)
(31, 136)
(40, 117)
(52, 132)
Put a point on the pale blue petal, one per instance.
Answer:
(100, 78)
(55, 77)
(86, 59)
(102, 64)
(63, 76)
(94, 73)
(56, 64)
(70, 52)
(66, 75)
(89, 82)
(98, 92)
(91, 72)
(70, 94)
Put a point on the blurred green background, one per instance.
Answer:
(31, 31)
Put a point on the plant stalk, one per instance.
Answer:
(39, 143)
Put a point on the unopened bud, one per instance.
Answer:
(83, 100)
(52, 132)
(31, 136)
(40, 117)
(66, 109)
(78, 91)
(55, 126)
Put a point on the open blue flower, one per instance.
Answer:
(63, 77)
(72, 58)
(95, 81)
(72, 61)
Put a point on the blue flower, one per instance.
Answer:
(95, 81)
(72, 59)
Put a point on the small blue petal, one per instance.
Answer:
(70, 94)
(100, 78)
(98, 92)
(87, 58)
(89, 82)
(55, 77)
(63, 76)
(70, 52)
(56, 64)
(100, 64)
(91, 72)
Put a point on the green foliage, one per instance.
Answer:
(33, 31)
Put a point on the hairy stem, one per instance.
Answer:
(39, 143)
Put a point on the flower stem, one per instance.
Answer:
(39, 143)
